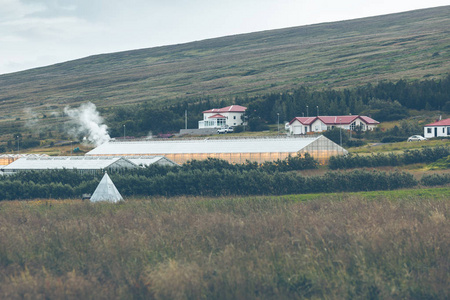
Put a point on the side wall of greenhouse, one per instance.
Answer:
(322, 149)
(237, 158)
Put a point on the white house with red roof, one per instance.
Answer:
(303, 125)
(229, 116)
(437, 129)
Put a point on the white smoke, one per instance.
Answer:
(32, 119)
(88, 123)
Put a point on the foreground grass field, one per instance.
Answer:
(362, 245)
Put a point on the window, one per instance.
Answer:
(352, 126)
(221, 122)
(234, 118)
(443, 130)
(429, 130)
(448, 130)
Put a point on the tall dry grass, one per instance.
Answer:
(194, 248)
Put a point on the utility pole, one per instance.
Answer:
(124, 131)
(185, 119)
(278, 123)
(340, 131)
(317, 110)
(18, 141)
(307, 114)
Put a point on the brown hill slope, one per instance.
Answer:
(410, 45)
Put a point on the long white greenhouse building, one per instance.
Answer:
(236, 150)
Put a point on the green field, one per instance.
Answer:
(377, 245)
(398, 147)
(411, 45)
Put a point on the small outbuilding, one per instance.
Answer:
(106, 191)
(437, 129)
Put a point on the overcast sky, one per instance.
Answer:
(36, 33)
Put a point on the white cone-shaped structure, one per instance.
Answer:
(106, 191)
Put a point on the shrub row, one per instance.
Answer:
(393, 139)
(425, 155)
(435, 179)
(213, 183)
(292, 163)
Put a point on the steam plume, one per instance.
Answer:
(32, 119)
(88, 123)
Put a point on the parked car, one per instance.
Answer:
(225, 130)
(416, 138)
(222, 130)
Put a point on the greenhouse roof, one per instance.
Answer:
(242, 145)
(147, 160)
(65, 162)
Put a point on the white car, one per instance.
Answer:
(222, 130)
(225, 130)
(417, 138)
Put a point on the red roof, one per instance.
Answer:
(368, 120)
(231, 108)
(445, 122)
(334, 120)
(337, 120)
(217, 116)
(304, 120)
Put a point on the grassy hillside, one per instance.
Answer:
(411, 45)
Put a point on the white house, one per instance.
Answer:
(223, 117)
(303, 125)
(437, 129)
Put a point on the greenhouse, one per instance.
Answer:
(6, 159)
(236, 150)
(79, 163)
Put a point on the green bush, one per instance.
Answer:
(238, 129)
(355, 143)
(393, 139)
(435, 179)
(425, 155)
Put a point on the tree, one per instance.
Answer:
(337, 135)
